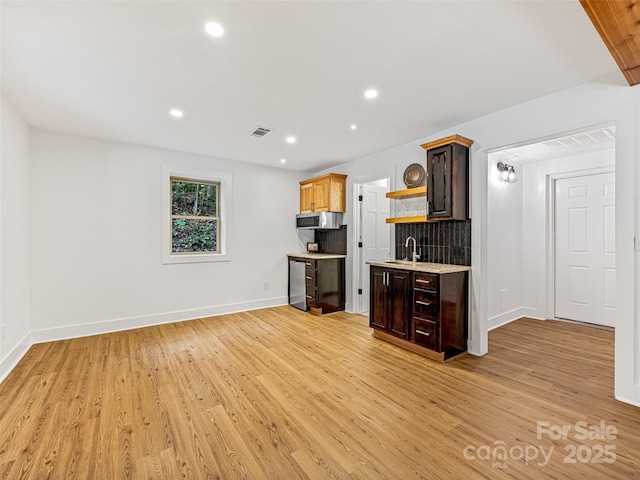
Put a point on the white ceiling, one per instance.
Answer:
(113, 70)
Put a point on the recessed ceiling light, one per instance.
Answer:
(371, 93)
(282, 160)
(214, 29)
(176, 113)
(291, 139)
(354, 126)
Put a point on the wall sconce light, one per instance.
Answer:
(506, 173)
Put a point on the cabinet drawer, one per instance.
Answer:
(312, 297)
(425, 333)
(425, 303)
(310, 283)
(310, 276)
(310, 264)
(425, 280)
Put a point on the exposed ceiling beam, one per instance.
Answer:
(618, 23)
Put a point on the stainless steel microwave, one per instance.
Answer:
(326, 220)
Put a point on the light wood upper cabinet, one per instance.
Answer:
(323, 194)
(306, 197)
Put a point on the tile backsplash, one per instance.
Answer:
(332, 241)
(446, 241)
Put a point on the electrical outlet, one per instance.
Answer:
(3, 333)
(265, 285)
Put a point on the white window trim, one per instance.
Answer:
(224, 198)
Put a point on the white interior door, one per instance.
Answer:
(585, 270)
(376, 234)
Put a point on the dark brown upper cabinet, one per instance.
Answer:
(448, 178)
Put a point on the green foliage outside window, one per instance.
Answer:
(196, 199)
(194, 216)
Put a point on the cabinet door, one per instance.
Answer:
(321, 195)
(439, 186)
(378, 305)
(306, 198)
(453, 311)
(330, 284)
(399, 303)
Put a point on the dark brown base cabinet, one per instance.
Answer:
(390, 301)
(324, 282)
(424, 309)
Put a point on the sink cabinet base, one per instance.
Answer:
(420, 311)
(425, 352)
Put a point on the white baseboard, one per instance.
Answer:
(76, 331)
(635, 403)
(511, 315)
(118, 325)
(504, 318)
(10, 360)
(532, 313)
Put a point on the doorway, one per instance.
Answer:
(374, 234)
(522, 275)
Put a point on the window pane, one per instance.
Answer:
(190, 235)
(195, 199)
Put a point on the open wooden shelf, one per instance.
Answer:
(416, 219)
(408, 193)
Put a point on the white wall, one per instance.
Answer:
(96, 238)
(14, 237)
(504, 246)
(537, 300)
(595, 103)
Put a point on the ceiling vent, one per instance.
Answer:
(260, 131)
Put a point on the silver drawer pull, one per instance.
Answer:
(420, 302)
(308, 278)
(308, 263)
(428, 282)
(426, 334)
(308, 296)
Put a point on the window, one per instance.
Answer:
(196, 219)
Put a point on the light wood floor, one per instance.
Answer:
(278, 394)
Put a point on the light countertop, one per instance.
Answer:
(316, 256)
(423, 266)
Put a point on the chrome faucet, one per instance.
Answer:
(414, 255)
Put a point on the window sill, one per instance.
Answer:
(195, 258)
